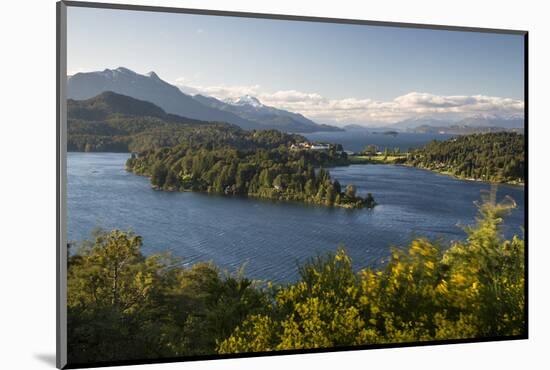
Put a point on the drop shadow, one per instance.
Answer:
(47, 358)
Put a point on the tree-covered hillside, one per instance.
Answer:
(495, 157)
(123, 305)
(112, 122)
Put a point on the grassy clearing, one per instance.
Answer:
(376, 159)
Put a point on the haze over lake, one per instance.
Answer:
(271, 238)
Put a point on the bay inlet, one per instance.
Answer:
(271, 238)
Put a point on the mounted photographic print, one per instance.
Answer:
(236, 184)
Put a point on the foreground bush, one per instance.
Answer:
(123, 305)
(474, 289)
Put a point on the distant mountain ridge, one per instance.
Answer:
(149, 88)
(250, 108)
(118, 123)
(493, 120)
(101, 107)
(462, 129)
(412, 123)
(247, 114)
(512, 121)
(355, 127)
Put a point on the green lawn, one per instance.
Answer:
(375, 159)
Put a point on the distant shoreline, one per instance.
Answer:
(446, 173)
(363, 160)
(376, 160)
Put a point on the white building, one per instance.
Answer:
(320, 147)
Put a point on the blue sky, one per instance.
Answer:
(331, 72)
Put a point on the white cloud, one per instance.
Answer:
(220, 92)
(230, 91)
(367, 111)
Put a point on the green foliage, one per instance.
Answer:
(474, 289)
(255, 164)
(112, 122)
(496, 157)
(350, 190)
(370, 150)
(123, 305)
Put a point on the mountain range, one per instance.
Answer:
(250, 108)
(246, 112)
(119, 123)
(461, 130)
(109, 105)
(512, 121)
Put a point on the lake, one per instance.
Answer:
(356, 140)
(269, 237)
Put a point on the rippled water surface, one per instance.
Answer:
(272, 237)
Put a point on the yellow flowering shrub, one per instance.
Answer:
(425, 292)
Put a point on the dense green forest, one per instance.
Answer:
(183, 154)
(495, 157)
(259, 164)
(123, 305)
(112, 122)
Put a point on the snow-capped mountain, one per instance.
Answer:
(246, 100)
(246, 112)
(151, 88)
(250, 108)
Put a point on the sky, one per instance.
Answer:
(332, 73)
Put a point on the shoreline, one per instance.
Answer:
(365, 161)
(469, 179)
(371, 162)
(254, 196)
(446, 173)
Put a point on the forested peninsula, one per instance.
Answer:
(180, 154)
(493, 157)
(260, 164)
(497, 157)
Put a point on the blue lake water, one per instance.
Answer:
(356, 140)
(271, 238)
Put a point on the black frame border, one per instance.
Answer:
(61, 247)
